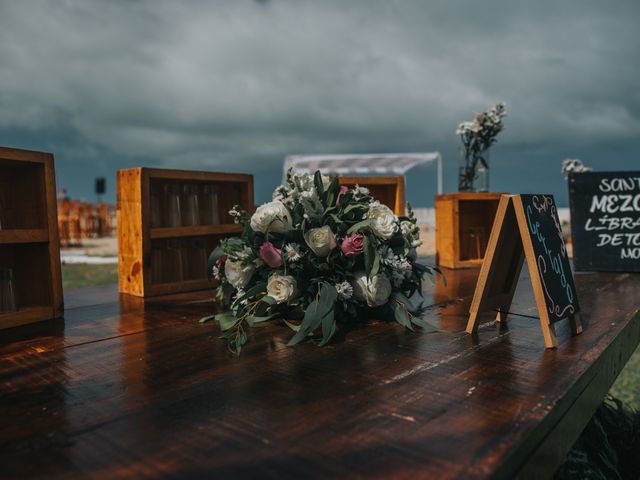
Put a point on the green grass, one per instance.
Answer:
(627, 386)
(79, 275)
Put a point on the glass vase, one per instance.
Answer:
(473, 172)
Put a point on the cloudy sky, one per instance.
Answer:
(237, 85)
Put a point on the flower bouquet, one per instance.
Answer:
(477, 136)
(319, 255)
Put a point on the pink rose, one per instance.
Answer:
(343, 189)
(353, 245)
(220, 261)
(271, 255)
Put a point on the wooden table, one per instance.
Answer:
(119, 390)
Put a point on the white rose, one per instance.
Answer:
(237, 274)
(270, 216)
(321, 240)
(281, 287)
(383, 221)
(374, 291)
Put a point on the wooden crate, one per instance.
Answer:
(463, 226)
(388, 190)
(146, 253)
(29, 243)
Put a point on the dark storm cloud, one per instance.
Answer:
(240, 84)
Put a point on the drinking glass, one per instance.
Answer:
(210, 214)
(197, 255)
(7, 294)
(173, 262)
(173, 202)
(191, 216)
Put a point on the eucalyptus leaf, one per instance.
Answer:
(322, 306)
(255, 319)
(317, 180)
(353, 206)
(401, 316)
(206, 319)
(359, 226)
(226, 320)
(426, 325)
(293, 327)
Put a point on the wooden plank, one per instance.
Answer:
(26, 315)
(154, 394)
(171, 174)
(179, 287)
(21, 155)
(51, 203)
(24, 235)
(130, 232)
(179, 232)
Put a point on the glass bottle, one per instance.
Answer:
(173, 202)
(191, 217)
(210, 214)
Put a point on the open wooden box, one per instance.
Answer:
(463, 226)
(388, 190)
(161, 253)
(29, 244)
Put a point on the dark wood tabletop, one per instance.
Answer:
(125, 389)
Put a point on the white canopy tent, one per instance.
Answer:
(362, 164)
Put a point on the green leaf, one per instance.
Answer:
(226, 320)
(270, 300)
(206, 319)
(353, 206)
(317, 180)
(255, 319)
(332, 191)
(426, 325)
(401, 316)
(323, 306)
(375, 267)
(336, 218)
(293, 327)
(359, 226)
(371, 256)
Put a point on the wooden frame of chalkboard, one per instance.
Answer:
(605, 221)
(527, 227)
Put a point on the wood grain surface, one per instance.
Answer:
(139, 389)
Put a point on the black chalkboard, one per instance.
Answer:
(551, 257)
(605, 221)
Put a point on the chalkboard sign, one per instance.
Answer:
(551, 257)
(605, 221)
(527, 228)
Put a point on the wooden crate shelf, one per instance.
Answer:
(389, 190)
(24, 235)
(157, 258)
(177, 232)
(29, 243)
(463, 226)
